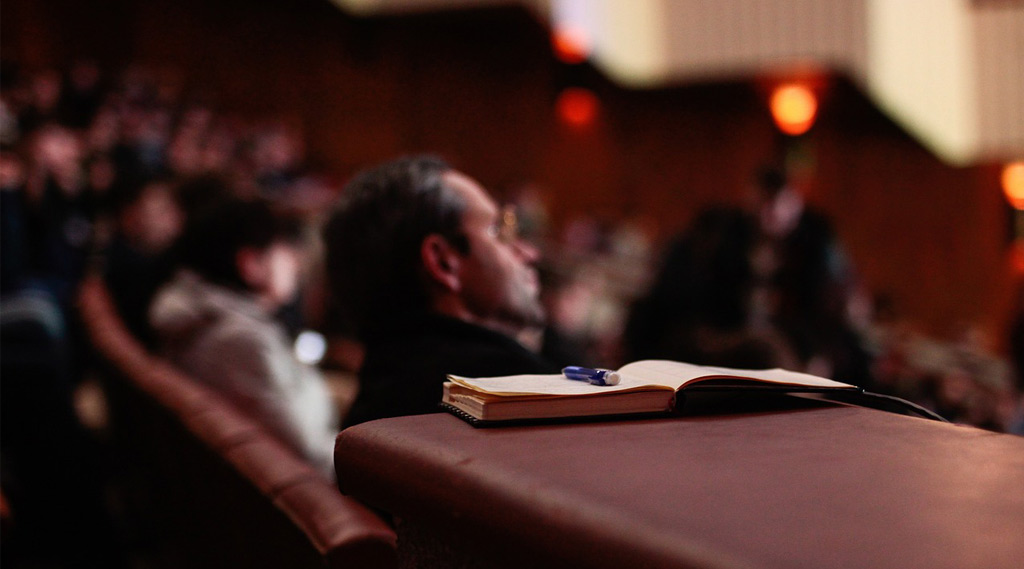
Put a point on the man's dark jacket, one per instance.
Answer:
(404, 369)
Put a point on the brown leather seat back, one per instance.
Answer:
(212, 487)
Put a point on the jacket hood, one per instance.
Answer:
(188, 304)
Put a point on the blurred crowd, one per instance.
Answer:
(767, 283)
(101, 170)
(109, 167)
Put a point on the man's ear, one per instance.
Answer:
(252, 267)
(441, 262)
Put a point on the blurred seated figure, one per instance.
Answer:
(807, 280)
(53, 481)
(59, 214)
(215, 321)
(434, 279)
(147, 220)
(698, 308)
(52, 473)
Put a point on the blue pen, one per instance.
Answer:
(591, 375)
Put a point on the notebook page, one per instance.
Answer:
(677, 374)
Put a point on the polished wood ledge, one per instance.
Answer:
(798, 486)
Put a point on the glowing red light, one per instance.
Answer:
(577, 106)
(1013, 184)
(571, 45)
(794, 108)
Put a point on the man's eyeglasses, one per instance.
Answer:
(506, 227)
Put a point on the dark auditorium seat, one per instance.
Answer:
(211, 487)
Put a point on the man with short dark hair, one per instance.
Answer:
(435, 280)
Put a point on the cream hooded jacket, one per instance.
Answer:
(226, 340)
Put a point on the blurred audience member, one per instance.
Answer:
(807, 281)
(13, 237)
(42, 96)
(698, 309)
(83, 94)
(568, 302)
(277, 156)
(59, 212)
(215, 320)
(435, 279)
(52, 475)
(147, 220)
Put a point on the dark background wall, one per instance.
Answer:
(479, 87)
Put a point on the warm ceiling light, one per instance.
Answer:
(571, 45)
(794, 108)
(577, 106)
(1013, 184)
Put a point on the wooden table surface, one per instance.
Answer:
(817, 486)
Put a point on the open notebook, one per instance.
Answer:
(647, 386)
